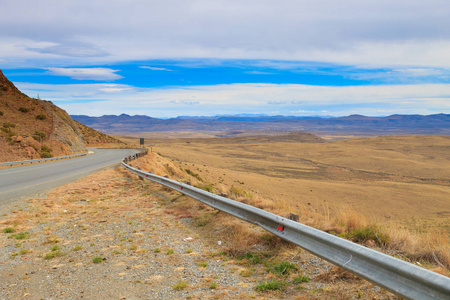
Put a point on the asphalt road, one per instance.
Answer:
(26, 181)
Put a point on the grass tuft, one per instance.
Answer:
(97, 259)
(284, 268)
(180, 285)
(271, 286)
(8, 230)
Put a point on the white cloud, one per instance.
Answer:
(369, 33)
(154, 68)
(98, 74)
(248, 98)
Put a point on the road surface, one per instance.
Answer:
(26, 181)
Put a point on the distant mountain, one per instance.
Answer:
(395, 124)
(33, 128)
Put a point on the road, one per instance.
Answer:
(26, 181)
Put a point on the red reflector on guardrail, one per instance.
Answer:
(280, 228)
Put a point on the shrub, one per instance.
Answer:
(8, 230)
(45, 148)
(208, 188)
(39, 135)
(53, 254)
(372, 232)
(203, 264)
(300, 278)
(9, 125)
(41, 117)
(238, 192)
(21, 235)
(97, 259)
(8, 131)
(213, 286)
(3, 88)
(194, 175)
(271, 286)
(1, 113)
(45, 154)
(180, 285)
(284, 268)
(24, 109)
(253, 258)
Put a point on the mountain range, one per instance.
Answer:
(354, 124)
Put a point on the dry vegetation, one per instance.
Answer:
(111, 235)
(386, 192)
(112, 228)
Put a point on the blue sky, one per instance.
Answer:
(171, 58)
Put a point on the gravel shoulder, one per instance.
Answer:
(110, 236)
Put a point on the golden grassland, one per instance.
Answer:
(396, 186)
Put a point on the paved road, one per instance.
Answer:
(26, 181)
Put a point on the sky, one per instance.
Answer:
(168, 58)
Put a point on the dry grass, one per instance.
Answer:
(430, 248)
(336, 274)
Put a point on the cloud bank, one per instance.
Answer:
(286, 99)
(369, 33)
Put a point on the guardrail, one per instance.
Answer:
(395, 275)
(39, 160)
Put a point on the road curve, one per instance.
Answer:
(26, 181)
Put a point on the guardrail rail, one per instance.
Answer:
(39, 160)
(395, 275)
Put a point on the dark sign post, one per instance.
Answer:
(142, 142)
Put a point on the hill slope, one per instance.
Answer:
(32, 128)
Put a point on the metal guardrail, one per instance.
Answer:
(39, 160)
(395, 275)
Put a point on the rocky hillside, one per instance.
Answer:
(32, 128)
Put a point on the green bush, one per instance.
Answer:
(24, 109)
(53, 254)
(301, 278)
(9, 133)
(39, 135)
(8, 230)
(45, 148)
(9, 125)
(368, 233)
(193, 174)
(20, 235)
(97, 259)
(180, 285)
(41, 117)
(284, 268)
(45, 154)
